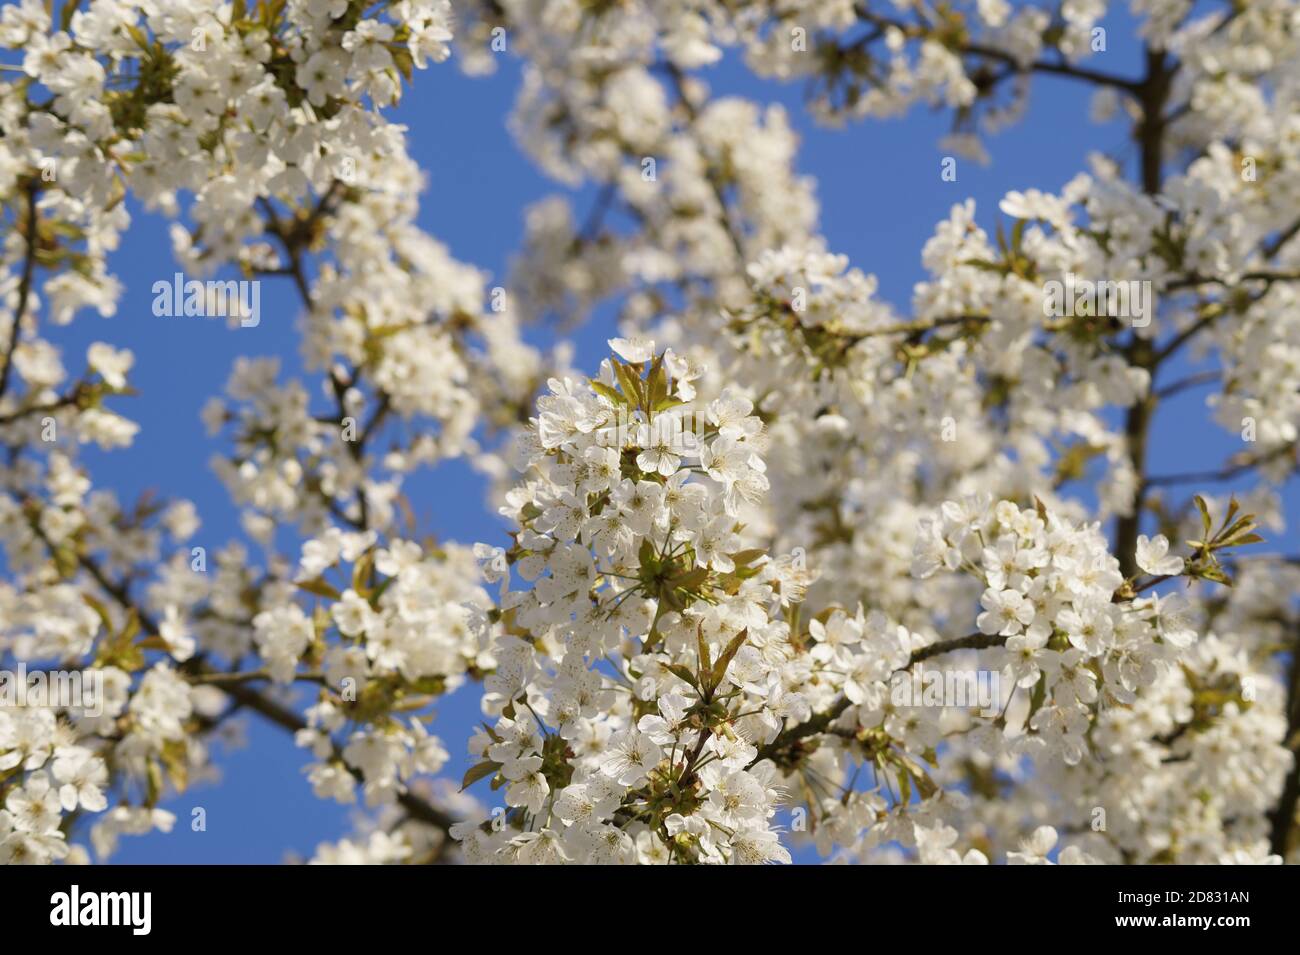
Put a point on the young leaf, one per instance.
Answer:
(319, 587)
(702, 647)
(1206, 523)
(613, 394)
(475, 773)
(629, 382)
(682, 673)
(361, 572)
(726, 656)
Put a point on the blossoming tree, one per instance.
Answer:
(735, 543)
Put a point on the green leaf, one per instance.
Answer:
(629, 382)
(924, 784)
(904, 787)
(1216, 574)
(742, 557)
(475, 773)
(1204, 508)
(1037, 696)
(1242, 527)
(726, 656)
(1233, 507)
(154, 779)
(404, 62)
(361, 572)
(100, 611)
(613, 394)
(690, 580)
(664, 404)
(702, 648)
(378, 592)
(645, 555)
(319, 587)
(138, 35)
(682, 673)
(656, 383)
(986, 265)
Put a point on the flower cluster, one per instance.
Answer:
(664, 677)
(269, 117)
(1049, 600)
(400, 628)
(651, 651)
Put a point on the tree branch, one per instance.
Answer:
(818, 723)
(238, 690)
(1152, 94)
(24, 288)
(1283, 816)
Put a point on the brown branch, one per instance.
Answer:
(65, 402)
(223, 679)
(973, 641)
(1191, 381)
(715, 184)
(1282, 818)
(1258, 275)
(1224, 474)
(242, 694)
(1286, 235)
(1141, 353)
(24, 287)
(1062, 68)
(787, 739)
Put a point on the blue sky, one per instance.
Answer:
(881, 195)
